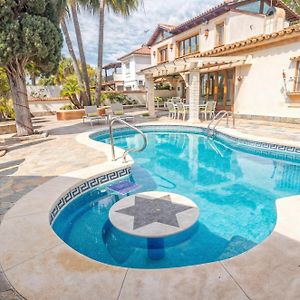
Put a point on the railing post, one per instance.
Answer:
(112, 139)
(111, 122)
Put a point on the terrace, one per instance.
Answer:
(34, 274)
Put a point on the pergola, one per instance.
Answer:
(193, 67)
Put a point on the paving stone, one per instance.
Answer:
(4, 284)
(9, 295)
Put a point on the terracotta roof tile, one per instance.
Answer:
(226, 6)
(252, 42)
(144, 50)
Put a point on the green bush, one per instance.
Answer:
(72, 90)
(118, 97)
(68, 107)
(6, 108)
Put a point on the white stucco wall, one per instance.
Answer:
(262, 90)
(38, 91)
(41, 107)
(238, 26)
(136, 63)
(241, 26)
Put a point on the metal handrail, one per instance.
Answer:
(116, 119)
(219, 117)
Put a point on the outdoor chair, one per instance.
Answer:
(172, 110)
(118, 111)
(91, 115)
(176, 100)
(209, 110)
(182, 110)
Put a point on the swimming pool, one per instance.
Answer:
(234, 186)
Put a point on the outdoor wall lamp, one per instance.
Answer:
(171, 47)
(206, 32)
(154, 53)
(240, 78)
(283, 75)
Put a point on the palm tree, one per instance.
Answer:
(83, 79)
(72, 52)
(122, 7)
(73, 7)
(294, 4)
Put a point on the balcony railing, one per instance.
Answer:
(296, 84)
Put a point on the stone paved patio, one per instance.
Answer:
(33, 162)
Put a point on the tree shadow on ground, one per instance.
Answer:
(76, 129)
(16, 145)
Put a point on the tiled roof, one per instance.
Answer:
(112, 65)
(158, 30)
(287, 33)
(53, 99)
(167, 27)
(144, 50)
(227, 6)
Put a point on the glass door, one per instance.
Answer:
(203, 88)
(230, 90)
(211, 87)
(220, 95)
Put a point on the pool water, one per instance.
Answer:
(235, 190)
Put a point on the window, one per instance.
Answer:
(127, 67)
(220, 34)
(297, 78)
(256, 7)
(163, 55)
(188, 46)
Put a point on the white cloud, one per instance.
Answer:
(123, 35)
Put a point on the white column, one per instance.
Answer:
(150, 95)
(187, 85)
(194, 95)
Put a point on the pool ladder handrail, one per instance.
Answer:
(211, 128)
(117, 119)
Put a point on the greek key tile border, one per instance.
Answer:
(84, 187)
(193, 129)
(260, 145)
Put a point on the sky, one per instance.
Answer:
(123, 35)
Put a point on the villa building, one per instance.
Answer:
(243, 54)
(124, 75)
(132, 64)
(113, 78)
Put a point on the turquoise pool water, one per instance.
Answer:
(235, 190)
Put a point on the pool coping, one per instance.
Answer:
(41, 266)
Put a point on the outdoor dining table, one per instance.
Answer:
(187, 105)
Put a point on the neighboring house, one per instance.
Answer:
(132, 64)
(113, 78)
(243, 54)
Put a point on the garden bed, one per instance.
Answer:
(7, 127)
(74, 114)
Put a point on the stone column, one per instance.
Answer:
(187, 85)
(194, 95)
(150, 95)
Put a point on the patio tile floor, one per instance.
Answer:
(30, 163)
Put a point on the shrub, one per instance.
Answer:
(72, 90)
(118, 97)
(6, 108)
(68, 107)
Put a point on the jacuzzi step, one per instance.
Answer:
(123, 187)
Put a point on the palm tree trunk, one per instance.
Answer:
(100, 52)
(73, 57)
(16, 76)
(81, 52)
